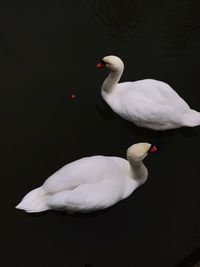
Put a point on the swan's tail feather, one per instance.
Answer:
(34, 201)
(192, 118)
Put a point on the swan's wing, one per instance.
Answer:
(151, 104)
(152, 91)
(88, 197)
(156, 116)
(85, 170)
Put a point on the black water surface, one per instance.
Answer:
(49, 50)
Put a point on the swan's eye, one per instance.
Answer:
(152, 149)
(101, 65)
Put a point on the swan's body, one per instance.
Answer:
(90, 183)
(147, 103)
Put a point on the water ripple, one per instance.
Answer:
(119, 18)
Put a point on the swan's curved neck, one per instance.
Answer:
(112, 80)
(138, 170)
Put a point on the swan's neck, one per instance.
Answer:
(138, 170)
(112, 80)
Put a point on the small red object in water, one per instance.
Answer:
(100, 65)
(72, 96)
(153, 149)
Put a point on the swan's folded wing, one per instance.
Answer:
(152, 91)
(148, 114)
(85, 170)
(88, 197)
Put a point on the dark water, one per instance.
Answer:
(48, 52)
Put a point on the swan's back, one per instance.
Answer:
(152, 92)
(86, 170)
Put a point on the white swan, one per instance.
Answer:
(147, 103)
(90, 183)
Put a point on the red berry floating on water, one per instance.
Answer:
(72, 96)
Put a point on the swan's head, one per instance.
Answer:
(113, 63)
(138, 152)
